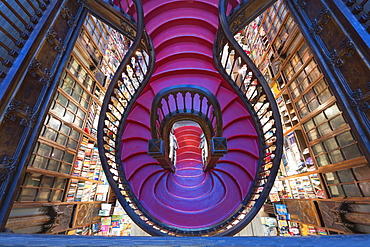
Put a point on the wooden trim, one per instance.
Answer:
(60, 175)
(356, 162)
(45, 204)
(31, 220)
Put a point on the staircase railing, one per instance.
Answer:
(246, 79)
(126, 86)
(185, 102)
(128, 82)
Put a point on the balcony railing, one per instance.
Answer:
(18, 20)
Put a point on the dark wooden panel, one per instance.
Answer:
(304, 211)
(62, 218)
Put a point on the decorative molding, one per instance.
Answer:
(338, 58)
(317, 24)
(238, 22)
(360, 100)
(45, 74)
(51, 38)
(29, 118)
(66, 14)
(15, 110)
(84, 214)
(14, 106)
(300, 4)
(339, 213)
(7, 168)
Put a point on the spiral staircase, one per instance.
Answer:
(190, 147)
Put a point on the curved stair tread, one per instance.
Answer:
(137, 161)
(187, 48)
(139, 114)
(243, 159)
(135, 129)
(186, 63)
(174, 24)
(241, 175)
(237, 142)
(241, 127)
(152, 9)
(210, 79)
(133, 146)
(139, 177)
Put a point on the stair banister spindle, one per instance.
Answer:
(208, 108)
(184, 99)
(233, 65)
(248, 87)
(242, 84)
(37, 12)
(28, 27)
(21, 33)
(176, 103)
(118, 110)
(24, 9)
(125, 86)
(139, 64)
(136, 77)
(192, 95)
(122, 97)
(160, 107)
(253, 95)
(201, 97)
(236, 79)
(264, 103)
(167, 99)
(132, 83)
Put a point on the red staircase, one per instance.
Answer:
(183, 34)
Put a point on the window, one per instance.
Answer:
(57, 131)
(51, 158)
(37, 187)
(324, 123)
(295, 65)
(67, 110)
(336, 149)
(275, 19)
(74, 89)
(354, 182)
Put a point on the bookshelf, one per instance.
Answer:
(65, 167)
(321, 157)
